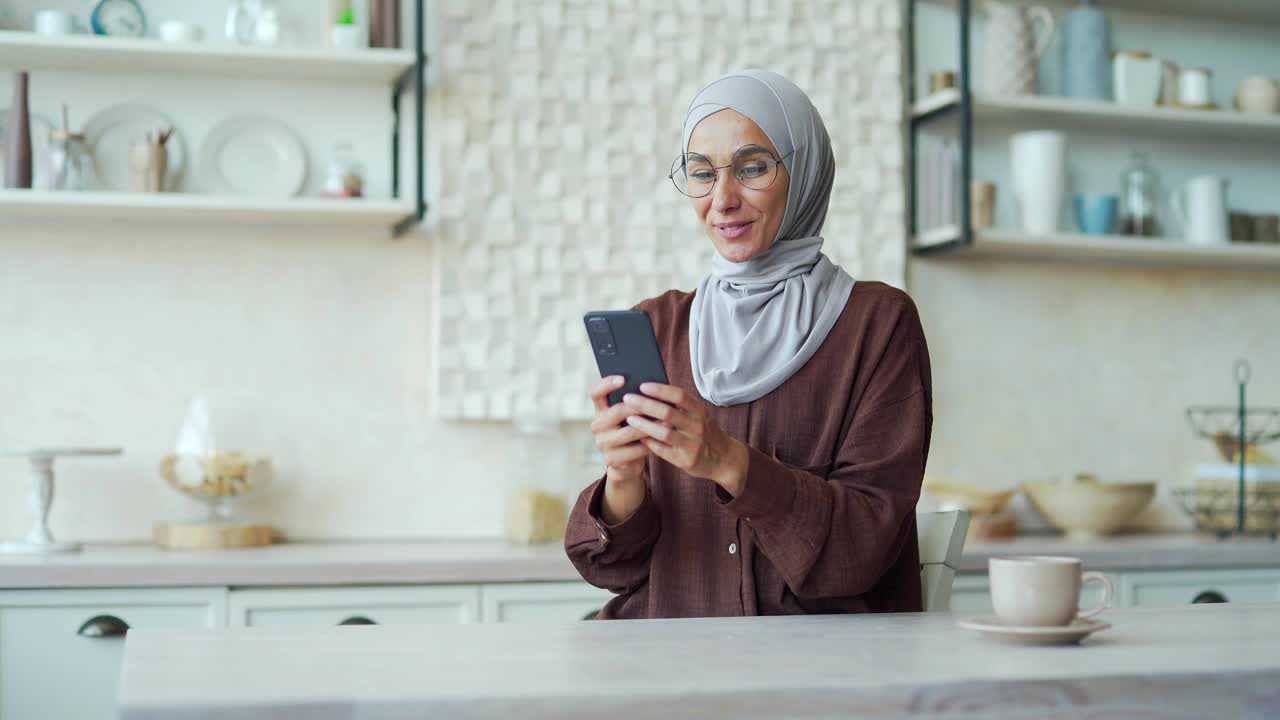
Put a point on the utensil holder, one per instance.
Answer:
(148, 164)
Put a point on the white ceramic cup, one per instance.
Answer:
(1042, 590)
(180, 31)
(1201, 210)
(1195, 87)
(54, 22)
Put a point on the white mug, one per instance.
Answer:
(1195, 87)
(54, 22)
(1039, 169)
(1042, 590)
(1203, 216)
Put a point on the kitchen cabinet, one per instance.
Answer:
(60, 650)
(545, 602)
(355, 606)
(1167, 589)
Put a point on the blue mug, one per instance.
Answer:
(1096, 212)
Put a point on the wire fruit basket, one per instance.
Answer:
(1239, 506)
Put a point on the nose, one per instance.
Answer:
(726, 195)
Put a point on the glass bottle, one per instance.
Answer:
(1140, 198)
(345, 174)
(70, 164)
(535, 503)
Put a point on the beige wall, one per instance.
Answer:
(1044, 370)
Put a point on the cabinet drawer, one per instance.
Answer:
(541, 602)
(453, 604)
(52, 668)
(1182, 588)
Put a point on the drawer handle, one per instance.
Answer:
(103, 626)
(1210, 596)
(358, 620)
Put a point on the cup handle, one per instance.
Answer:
(1107, 592)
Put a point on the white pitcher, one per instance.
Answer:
(1203, 216)
(1039, 169)
(1011, 51)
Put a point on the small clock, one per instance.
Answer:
(121, 18)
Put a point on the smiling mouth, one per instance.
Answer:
(732, 230)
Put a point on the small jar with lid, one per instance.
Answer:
(345, 174)
(70, 162)
(1140, 198)
(536, 491)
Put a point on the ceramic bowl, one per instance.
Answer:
(975, 499)
(1085, 508)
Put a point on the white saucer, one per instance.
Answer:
(992, 627)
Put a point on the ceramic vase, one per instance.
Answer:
(1039, 179)
(1086, 53)
(17, 141)
(1011, 50)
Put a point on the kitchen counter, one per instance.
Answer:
(484, 561)
(1195, 662)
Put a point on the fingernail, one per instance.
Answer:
(648, 387)
(616, 380)
(628, 397)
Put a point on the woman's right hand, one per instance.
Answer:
(624, 454)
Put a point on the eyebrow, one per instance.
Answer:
(744, 151)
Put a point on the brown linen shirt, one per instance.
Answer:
(825, 522)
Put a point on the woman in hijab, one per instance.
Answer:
(778, 473)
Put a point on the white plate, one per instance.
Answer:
(992, 627)
(109, 134)
(253, 155)
(40, 128)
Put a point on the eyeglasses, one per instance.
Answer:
(753, 166)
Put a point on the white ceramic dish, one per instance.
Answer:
(40, 128)
(992, 627)
(253, 155)
(1231, 471)
(109, 133)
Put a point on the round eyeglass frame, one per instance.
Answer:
(677, 164)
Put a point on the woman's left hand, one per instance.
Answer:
(686, 436)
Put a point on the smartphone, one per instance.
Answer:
(624, 344)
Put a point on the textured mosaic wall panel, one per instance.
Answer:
(552, 124)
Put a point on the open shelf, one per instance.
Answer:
(1013, 244)
(188, 207)
(1106, 115)
(31, 51)
(1247, 11)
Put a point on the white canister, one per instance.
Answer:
(1136, 78)
(1195, 87)
(1258, 94)
(179, 31)
(1039, 170)
(1203, 215)
(53, 22)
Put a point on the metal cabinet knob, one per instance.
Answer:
(103, 626)
(358, 620)
(1210, 596)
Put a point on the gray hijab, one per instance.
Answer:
(754, 324)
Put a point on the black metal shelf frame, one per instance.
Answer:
(414, 77)
(964, 109)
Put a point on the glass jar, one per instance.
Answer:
(345, 175)
(70, 164)
(535, 503)
(1140, 198)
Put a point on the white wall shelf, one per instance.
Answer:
(146, 56)
(1040, 109)
(144, 207)
(1117, 249)
(1248, 11)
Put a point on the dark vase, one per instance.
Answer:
(17, 140)
(384, 23)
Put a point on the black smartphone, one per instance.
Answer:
(624, 344)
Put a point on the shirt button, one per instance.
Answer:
(733, 548)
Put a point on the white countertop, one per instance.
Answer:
(484, 561)
(827, 665)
